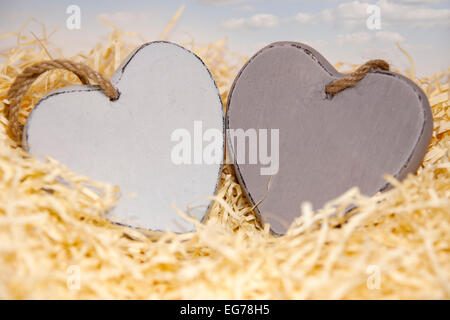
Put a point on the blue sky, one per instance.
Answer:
(337, 29)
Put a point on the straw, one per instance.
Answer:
(56, 243)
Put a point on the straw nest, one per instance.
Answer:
(56, 243)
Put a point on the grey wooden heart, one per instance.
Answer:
(327, 145)
(129, 142)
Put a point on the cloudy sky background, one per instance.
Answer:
(337, 29)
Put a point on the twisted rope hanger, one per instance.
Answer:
(24, 81)
(353, 78)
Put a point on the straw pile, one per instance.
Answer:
(56, 243)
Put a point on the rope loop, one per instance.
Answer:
(24, 81)
(353, 78)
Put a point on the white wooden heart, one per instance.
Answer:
(129, 142)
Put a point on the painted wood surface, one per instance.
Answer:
(326, 145)
(128, 142)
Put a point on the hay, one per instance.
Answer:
(397, 246)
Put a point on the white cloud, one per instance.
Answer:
(304, 17)
(412, 13)
(326, 16)
(234, 23)
(263, 20)
(389, 36)
(348, 14)
(352, 10)
(366, 37)
(354, 38)
(260, 20)
(125, 16)
(246, 8)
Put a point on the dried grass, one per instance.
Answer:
(49, 231)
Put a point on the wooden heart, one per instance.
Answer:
(164, 89)
(326, 144)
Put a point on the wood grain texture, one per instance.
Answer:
(327, 145)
